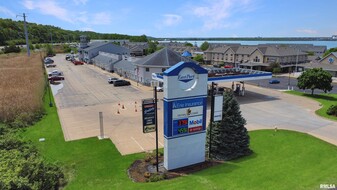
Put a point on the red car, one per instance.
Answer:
(77, 62)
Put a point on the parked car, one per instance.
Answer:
(274, 81)
(111, 80)
(76, 62)
(48, 60)
(160, 89)
(55, 78)
(50, 65)
(55, 73)
(68, 57)
(121, 83)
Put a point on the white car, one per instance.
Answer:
(160, 89)
(55, 73)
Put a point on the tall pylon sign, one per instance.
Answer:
(185, 102)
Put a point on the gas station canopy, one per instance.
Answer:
(227, 75)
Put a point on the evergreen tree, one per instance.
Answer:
(230, 139)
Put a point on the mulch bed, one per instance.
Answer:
(139, 167)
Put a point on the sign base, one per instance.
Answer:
(184, 151)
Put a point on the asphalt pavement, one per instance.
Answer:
(286, 81)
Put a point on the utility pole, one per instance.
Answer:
(26, 32)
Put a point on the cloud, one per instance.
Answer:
(78, 2)
(82, 17)
(102, 18)
(216, 14)
(307, 31)
(48, 7)
(171, 19)
(6, 11)
(87, 29)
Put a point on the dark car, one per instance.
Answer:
(48, 60)
(50, 65)
(112, 80)
(274, 81)
(52, 79)
(121, 83)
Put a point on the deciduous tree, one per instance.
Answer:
(315, 78)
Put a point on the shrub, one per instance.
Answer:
(11, 49)
(157, 177)
(332, 110)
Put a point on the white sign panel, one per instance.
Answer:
(218, 101)
(187, 112)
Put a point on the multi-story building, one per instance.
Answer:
(258, 57)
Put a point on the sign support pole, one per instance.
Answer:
(211, 121)
(156, 125)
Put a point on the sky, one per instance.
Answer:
(183, 18)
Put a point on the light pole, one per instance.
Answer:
(289, 79)
(296, 60)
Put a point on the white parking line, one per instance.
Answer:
(154, 137)
(137, 143)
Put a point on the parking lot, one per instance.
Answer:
(85, 92)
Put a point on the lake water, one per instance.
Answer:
(328, 44)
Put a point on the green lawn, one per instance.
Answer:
(281, 160)
(325, 99)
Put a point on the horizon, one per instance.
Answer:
(174, 19)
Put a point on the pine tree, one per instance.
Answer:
(230, 139)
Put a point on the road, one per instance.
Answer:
(283, 85)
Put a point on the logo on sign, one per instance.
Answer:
(195, 122)
(185, 78)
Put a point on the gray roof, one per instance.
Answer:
(110, 47)
(220, 49)
(328, 67)
(124, 65)
(94, 45)
(162, 58)
(245, 50)
(104, 59)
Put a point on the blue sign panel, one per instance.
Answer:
(185, 117)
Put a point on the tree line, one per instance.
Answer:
(12, 32)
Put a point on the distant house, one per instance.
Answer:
(87, 51)
(157, 62)
(126, 69)
(329, 59)
(327, 63)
